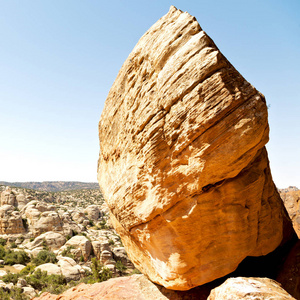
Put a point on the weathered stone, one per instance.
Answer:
(53, 240)
(182, 164)
(93, 212)
(8, 197)
(29, 291)
(249, 289)
(69, 268)
(80, 243)
(51, 269)
(10, 220)
(291, 199)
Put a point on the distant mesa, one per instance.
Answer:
(183, 165)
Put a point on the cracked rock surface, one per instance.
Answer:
(182, 164)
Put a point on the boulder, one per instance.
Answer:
(22, 200)
(183, 165)
(249, 289)
(93, 212)
(8, 197)
(53, 240)
(10, 220)
(135, 287)
(99, 247)
(42, 217)
(29, 291)
(51, 269)
(119, 254)
(19, 267)
(81, 243)
(70, 269)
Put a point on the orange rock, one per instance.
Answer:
(182, 164)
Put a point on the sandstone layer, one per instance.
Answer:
(182, 164)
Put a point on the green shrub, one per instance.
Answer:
(40, 280)
(15, 294)
(2, 252)
(100, 273)
(67, 252)
(120, 266)
(13, 245)
(111, 242)
(43, 257)
(16, 257)
(27, 270)
(10, 277)
(3, 242)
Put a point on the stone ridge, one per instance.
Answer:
(182, 163)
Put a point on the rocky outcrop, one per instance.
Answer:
(8, 197)
(182, 164)
(126, 288)
(291, 199)
(80, 246)
(10, 220)
(53, 240)
(249, 289)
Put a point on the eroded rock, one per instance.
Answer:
(182, 165)
(249, 289)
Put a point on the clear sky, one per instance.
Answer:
(59, 58)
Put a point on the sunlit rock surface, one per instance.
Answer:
(182, 164)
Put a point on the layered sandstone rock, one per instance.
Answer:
(182, 164)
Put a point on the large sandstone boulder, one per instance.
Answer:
(182, 164)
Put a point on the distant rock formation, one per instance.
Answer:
(291, 199)
(182, 164)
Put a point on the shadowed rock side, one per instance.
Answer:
(182, 165)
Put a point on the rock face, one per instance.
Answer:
(182, 164)
(291, 199)
(135, 287)
(10, 220)
(249, 289)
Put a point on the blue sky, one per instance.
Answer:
(59, 58)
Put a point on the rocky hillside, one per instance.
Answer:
(51, 241)
(53, 186)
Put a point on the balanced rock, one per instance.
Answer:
(182, 164)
